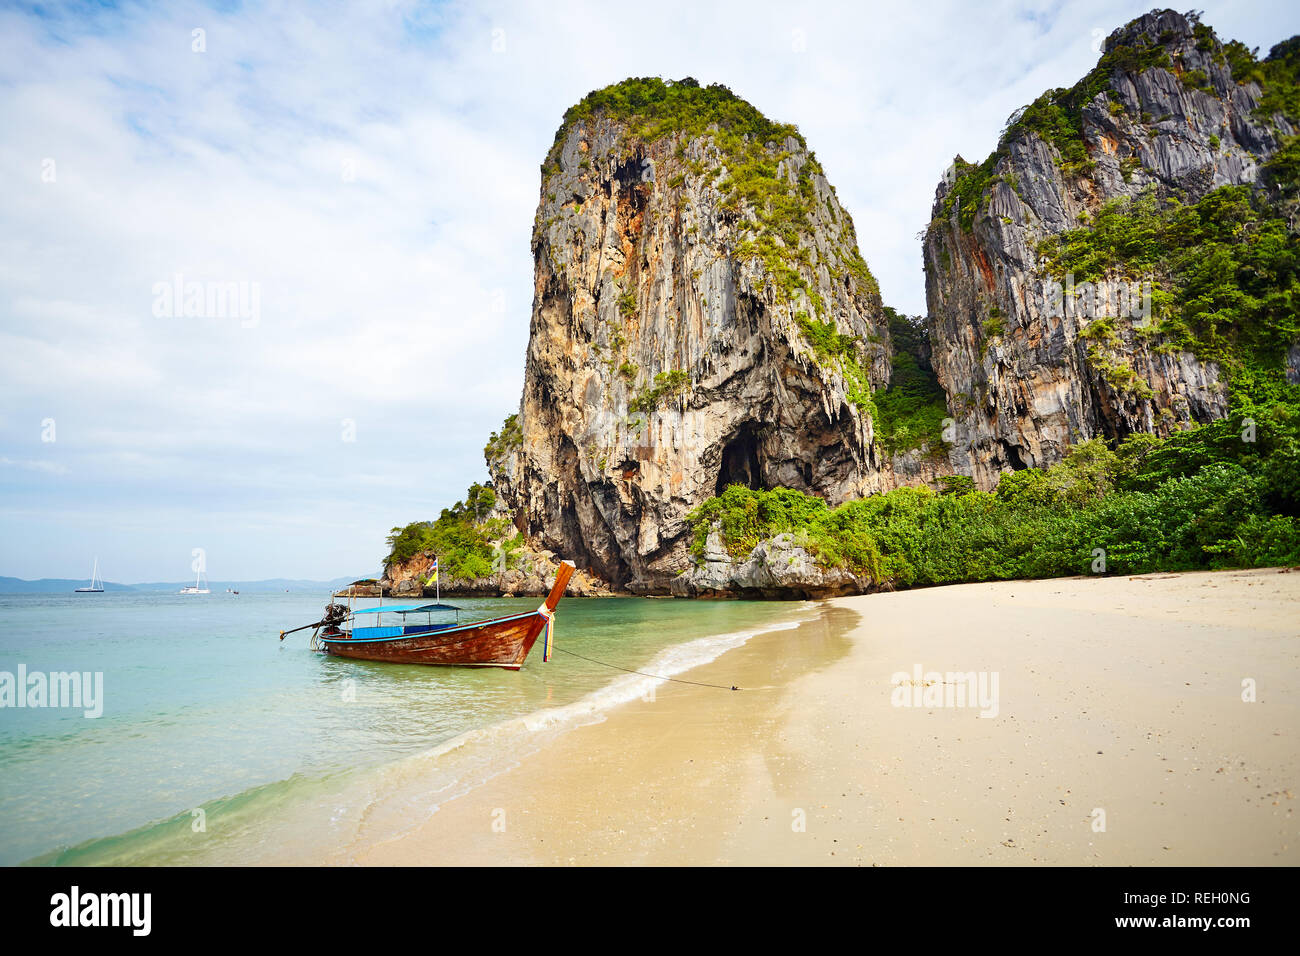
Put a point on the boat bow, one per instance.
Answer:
(547, 610)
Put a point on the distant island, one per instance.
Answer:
(61, 585)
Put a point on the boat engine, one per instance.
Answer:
(335, 614)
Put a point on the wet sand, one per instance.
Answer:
(1120, 737)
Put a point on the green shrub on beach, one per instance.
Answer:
(1202, 499)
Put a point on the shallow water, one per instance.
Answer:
(218, 743)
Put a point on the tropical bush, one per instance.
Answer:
(465, 537)
(1222, 495)
(910, 413)
(510, 437)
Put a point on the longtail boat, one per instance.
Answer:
(404, 639)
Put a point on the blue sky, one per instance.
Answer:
(369, 173)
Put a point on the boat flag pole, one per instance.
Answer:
(437, 585)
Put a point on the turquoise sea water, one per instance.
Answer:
(220, 744)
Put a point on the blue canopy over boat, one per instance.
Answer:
(405, 608)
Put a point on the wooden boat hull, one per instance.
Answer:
(499, 642)
(502, 642)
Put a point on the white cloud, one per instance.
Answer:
(378, 293)
(47, 467)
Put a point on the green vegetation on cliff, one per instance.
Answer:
(1278, 76)
(911, 411)
(1057, 118)
(1223, 495)
(509, 438)
(761, 173)
(1225, 274)
(666, 385)
(1057, 115)
(467, 542)
(843, 351)
(655, 108)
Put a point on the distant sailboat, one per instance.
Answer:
(196, 587)
(96, 585)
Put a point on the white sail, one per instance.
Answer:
(196, 587)
(96, 585)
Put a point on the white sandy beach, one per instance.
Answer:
(1120, 705)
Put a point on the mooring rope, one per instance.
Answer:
(626, 670)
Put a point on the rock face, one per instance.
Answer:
(702, 316)
(775, 568)
(1018, 376)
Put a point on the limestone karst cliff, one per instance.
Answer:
(702, 316)
(1169, 114)
(1124, 262)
